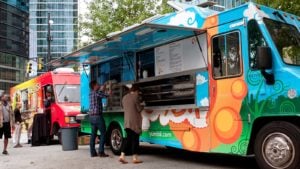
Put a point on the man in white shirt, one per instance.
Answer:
(6, 120)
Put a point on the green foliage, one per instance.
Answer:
(290, 6)
(106, 16)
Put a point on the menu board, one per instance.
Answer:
(178, 56)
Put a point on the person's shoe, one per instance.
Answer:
(123, 161)
(103, 155)
(137, 161)
(5, 152)
(94, 155)
(18, 146)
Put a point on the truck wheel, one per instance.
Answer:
(116, 139)
(277, 146)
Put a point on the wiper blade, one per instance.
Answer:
(62, 88)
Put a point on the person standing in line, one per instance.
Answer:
(96, 118)
(133, 123)
(6, 120)
(18, 125)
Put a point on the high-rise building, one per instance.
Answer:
(14, 42)
(63, 28)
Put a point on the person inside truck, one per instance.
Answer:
(48, 99)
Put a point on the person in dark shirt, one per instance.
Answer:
(96, 119)
(18, 125)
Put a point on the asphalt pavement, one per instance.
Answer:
(154, 157)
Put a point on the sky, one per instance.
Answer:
(82, 9)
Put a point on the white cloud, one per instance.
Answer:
(253, 13)
(201, 79)
(184, 18)
(82, 6)
(204, 102)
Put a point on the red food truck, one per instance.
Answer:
(56, 93)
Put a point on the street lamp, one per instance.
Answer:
(49, 39)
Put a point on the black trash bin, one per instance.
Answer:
(69, 138)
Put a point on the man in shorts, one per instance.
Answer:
(6, 120)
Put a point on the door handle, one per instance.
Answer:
(214, 91)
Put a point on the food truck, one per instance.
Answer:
(56, 92)
(219, 82)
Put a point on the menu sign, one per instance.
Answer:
(177, 56)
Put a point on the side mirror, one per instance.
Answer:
(264, 61)
(264, 58)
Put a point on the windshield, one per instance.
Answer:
(67, 93)
(287, 40)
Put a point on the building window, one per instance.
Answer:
(226, 55)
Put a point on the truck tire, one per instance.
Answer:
(277, 146)
(116, 139)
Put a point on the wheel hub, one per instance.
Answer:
(116, 139)
(278, 150)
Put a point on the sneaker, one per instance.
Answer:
(5, 152)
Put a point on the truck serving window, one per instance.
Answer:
(226, 55)
(287, 40)
(255, 39)
(145, 64)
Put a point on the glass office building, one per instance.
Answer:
(64, 14)
(14, 42)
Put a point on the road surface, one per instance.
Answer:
(154, 157)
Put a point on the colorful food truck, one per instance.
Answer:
(56, 92)
(220, 82)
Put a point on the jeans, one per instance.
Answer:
(97, 123)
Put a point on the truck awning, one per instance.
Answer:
(132, 39)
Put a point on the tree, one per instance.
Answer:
(106, 16)
(291, 6)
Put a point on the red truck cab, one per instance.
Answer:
(55, 93)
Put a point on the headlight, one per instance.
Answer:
(70, 119)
